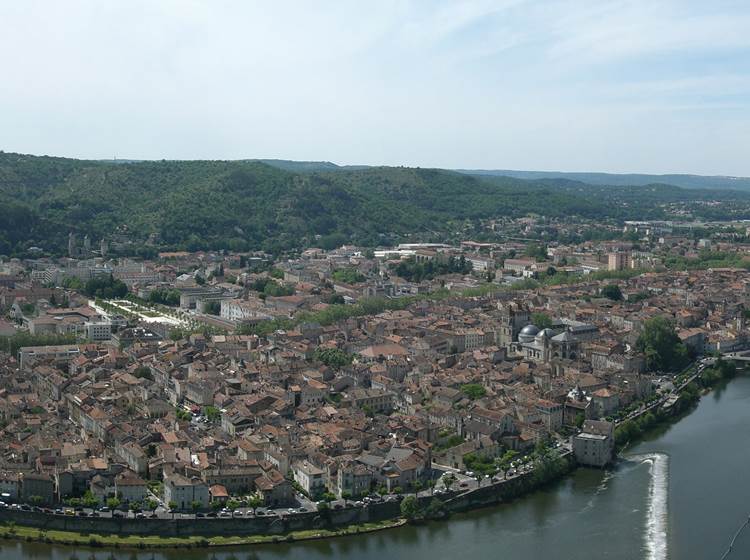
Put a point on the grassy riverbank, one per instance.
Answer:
(631, 431)
(31, 534)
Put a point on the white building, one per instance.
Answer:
(239, 311)
(184, 491)
(481, 264)
(310, 478)
(98, 331)
(130, 487)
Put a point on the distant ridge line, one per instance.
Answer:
(685, 180)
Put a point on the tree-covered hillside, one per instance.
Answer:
(721, 182)
(244, 205)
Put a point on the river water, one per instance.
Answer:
(679, 495)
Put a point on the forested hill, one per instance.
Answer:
(244, 205)
(720, 182)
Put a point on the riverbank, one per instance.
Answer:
(216, 533)
(672, 408)
(142, 534)
(708, 448)
(93, 540)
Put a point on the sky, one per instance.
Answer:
(620, 86)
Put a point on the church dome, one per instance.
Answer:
(544, 333)
(527, 333)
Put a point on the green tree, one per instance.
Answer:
(505, 461)
(348, 275)
(335, 299)
(548, 464)
(105, 287)
(182, 414)
(473, 390)
(143, 372)
(536, 251)
(333, 357)
(410, 508)
(541, 320)
(274, 289)
(662, 347)
(435, 509)
(89, 500)
(415, 271)
(11, 344)
(449, 480)
(232, 504)
(213, 308)
(164, 296)
(212, 413)
(255, 502)
(612, 291)
(72, 283)
(113, 503)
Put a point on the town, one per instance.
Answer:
(244, 384)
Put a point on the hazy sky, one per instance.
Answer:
(650, 86)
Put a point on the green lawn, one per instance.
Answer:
(134, 541)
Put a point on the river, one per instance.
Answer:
(679, 495)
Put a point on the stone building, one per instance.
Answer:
(595, 445)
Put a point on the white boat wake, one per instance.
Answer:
(655, 537)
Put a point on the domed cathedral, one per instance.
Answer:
(546, 345)
(513, 317)
(565, 346)
(528, 333)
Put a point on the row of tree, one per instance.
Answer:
(416, 271)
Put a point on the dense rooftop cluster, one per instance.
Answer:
(134, 399)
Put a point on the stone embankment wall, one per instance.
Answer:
(502, 491)
(264, 525)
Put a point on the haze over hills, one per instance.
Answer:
(684, 180)
(625, 179)
(277, 205)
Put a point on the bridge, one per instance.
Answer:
(741, 357)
